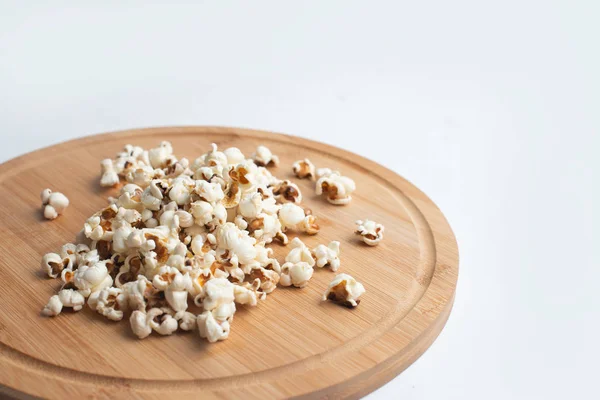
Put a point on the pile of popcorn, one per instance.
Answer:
(182, 232)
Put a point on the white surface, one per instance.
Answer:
(491, 109)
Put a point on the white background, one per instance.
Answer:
(491, 107)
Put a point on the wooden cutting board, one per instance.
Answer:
(292, 344)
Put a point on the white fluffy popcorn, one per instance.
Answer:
(287, 191)
(180, 232)
(65, 298)
(344, 290)
(295, 217)
(109, 174)
(328, 256)
(336, 187)
(370, 231)
(212, 329)
(264, 158)
(53, 264)
(304, 169)
(53, 203)
(297, 274)
(234, 155)
(299, 253)
(109, 302)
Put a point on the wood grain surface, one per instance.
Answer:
(291, 345)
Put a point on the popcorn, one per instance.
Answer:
(299, 253)
(143, 175)
(304, 169)
(99, 226)
(262, 177)
(291, 215)
(161, 321)
(159, 155)
(137, 292)
(248, 293)
(219, 307)
(53, 203)
(209, 192)
(321, 172)
(90, 279)
(156, 319)
(131, 197)
(109, 302)
(186, 219)
(328, 255)
(181, 231)
(153, 195)
(214, 157)
(148, 218)
(264, 258)
(268, 278)
(232, 196)
(217, 292)
(109, 175)
(294, 217)
(54, 306)
(140, 324)
(344, 290)
(265, 228)
(337, 188)
(264, 158)
(211, 329)
(175, 286)
(65, 298)
(181, 190)
(187, 321)
(287, 191)
(250, 205)
(178, 168)
(297, 274)
(234, 156)
(371, 232)
(53, 264)
(244, 173)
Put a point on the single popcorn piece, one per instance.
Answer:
(344, 290)
(336, 187)
(161, 321)
(268, 278)
(249, 293)
(264, 158)
(89, 279)
(140, 324)
(297, 274)
(211, 329)
(109, 302)
(217, 292)
(304, 169)
(299, 253)
(321, 172)
(371, 232)
(234, 156)
(328, 255)
(53, 203)
(65, 298)
(294, 217)
(187, 321)
(109, 174)
(287, 191)
(53, 264)
(214, 323)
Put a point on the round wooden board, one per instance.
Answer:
(292, 344)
